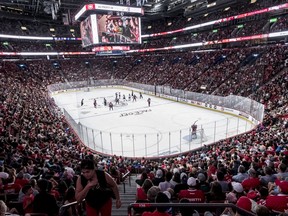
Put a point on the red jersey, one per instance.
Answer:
(28, 203)
(250, 183)
(195, 196)
(141, 195)
(21, 182)
(12, 188)
(277, 203)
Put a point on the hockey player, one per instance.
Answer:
(149, 101)
(140, 95)
(105, 102)
(95, 103)
(110, 106)
(194, 131)
(82, 102)
(134, 98)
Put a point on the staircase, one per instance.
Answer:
(128, 197)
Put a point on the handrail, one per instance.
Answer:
(206, 206)
(61, 209)
(127, 174)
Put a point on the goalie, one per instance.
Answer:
(194, 131)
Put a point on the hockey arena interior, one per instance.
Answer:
(144, 107)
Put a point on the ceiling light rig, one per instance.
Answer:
(52, 7)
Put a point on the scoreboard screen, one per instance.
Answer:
(110, 29)
(87, 32)
(118, 29)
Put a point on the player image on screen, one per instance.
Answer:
(86, 32)
(116, 29)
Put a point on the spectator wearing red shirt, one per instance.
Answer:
(10, 186)
(28, 199)
(21, 180)
(252, 182)
(280, 201)
(192, 194)
(142, 191)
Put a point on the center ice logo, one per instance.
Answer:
(135, 113)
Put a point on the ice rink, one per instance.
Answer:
(134, 129)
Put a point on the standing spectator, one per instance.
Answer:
(94, 185)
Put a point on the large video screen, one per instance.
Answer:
(88, 29)
(110, 29)
(118, 29)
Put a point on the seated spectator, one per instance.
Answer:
(3, 175)
(44, 202)
(152, 193)
(158, 177)
(166, 184)
(220, 179)
(69, 198)
(21, 180)
(140, 181)
(242, 175)
(192, 194)
(10, 186)
(187, 211)
(142, 191)
(116, 175)
(4, 210)
(160, 198)
(32, 183)
(252, 182)
(203, 185)
(176, 178)
(282, 172)
(262, 210)
(215, 194)
(269, 177)
(246, 204)
(183, 185)
(28, 199)
(237, 189)
(278, 202)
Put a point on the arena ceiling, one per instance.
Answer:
(54, 9)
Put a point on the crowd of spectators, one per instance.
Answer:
(37, 143)
(161, 25)
(37, 28)
(40, 153)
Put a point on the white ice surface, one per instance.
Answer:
(135, 130)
